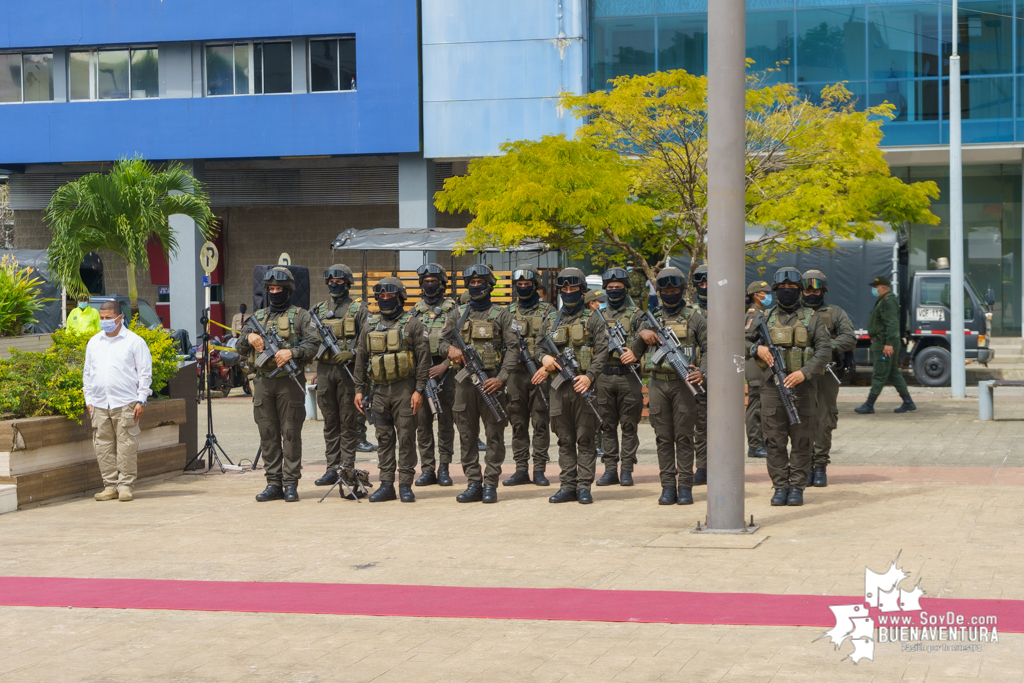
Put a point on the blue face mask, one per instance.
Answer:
(874, 291)
(767, 301)
(83, 304)
(109, 326)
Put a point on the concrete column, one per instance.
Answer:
(185, 273)
(415, 201)
(299, 65)
(726, 221)
(60, 74)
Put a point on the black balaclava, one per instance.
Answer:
(279, 300)
(672, 301)
(814, 300)
(390, 308)
(338, 290)
(616, 297)
(789, 297)
(479, 297)
(527, 295)
(432, 293)
(702, 297)
(572, 301)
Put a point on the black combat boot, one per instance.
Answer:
(868, 408)
(385, 492)
(759, 452)
(426, 478)
(780, 497)
(481, 446)
(700, 477)
(810, 477)
(443, 478)
(473, 493)
(626, 478)
(583, 496)
(685, 496)
(272, 492)
(538, 477)
(609, 477)
(405, 493)
(490, 494)
(291, 493)
(330, 478)
(520, 477)
(564, 495)
(668, 495)
(795, 497)
(820, 478)
(908, 404)
(365, 446)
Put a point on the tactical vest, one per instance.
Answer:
(577, 335)
(344, 328)
(434, 322)
(624, 315)
(391, 356)
(485, 336)
(680, 324)
(529, 322)
(285, 328)
(825, 313)
(796, 341)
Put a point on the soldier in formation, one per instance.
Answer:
(759, 298)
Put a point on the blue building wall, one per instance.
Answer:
(381, 116)
(493, 71)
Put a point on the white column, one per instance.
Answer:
(415, 201)
(958, 381)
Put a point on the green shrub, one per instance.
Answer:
(35, 384)
(19, 299)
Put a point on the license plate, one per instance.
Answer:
(931, 314)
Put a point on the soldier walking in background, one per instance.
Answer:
(759, 297)
(840, 330)
(884, 329)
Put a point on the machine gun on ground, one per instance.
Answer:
(473, 368)
(271, 346)
(671, 350)
(779, 371)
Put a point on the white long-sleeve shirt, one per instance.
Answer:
(118, 370)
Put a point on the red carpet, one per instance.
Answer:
(562, 604)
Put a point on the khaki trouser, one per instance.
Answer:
(621, 402)
(575, 425)
(116, 442)
(788, 467)
(445, 427)
(279, 408)
(697, 439)
(470, 409)
(827, 389)
(396, 430)
(673, 413)
(335, 394)
(526, 409)
(752, 417)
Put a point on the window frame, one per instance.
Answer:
(309, 63)
(250, 45)
(93, 53)
(21, 76)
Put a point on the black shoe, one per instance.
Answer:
(405, 493)
(685, 496)
(819, 476)
(795, 498)
(426, 478)
(291, 493)
(626, 478)
(759, 452)
(868, 407)
(443, 478)
(517, 479)
(490, 494)
(481, 446)
(385, 492)
(609, 477)
(908, 404)
(330, 478)
(564, 495)
(700, 477)
(600, 452)
(366, 447)
(810, 477)
(272, 492)
(539, 479)
(780, 497)
(668, 495)
(473, 493)
(583, 497)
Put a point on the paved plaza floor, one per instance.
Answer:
(937, 489)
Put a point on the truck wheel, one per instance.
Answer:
(933, 367)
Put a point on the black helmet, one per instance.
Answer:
(340, 272)
(526, 273)
(479, 270)
(279, 275)
(615, 275)
(815, 279)
(700, 274)
(787, 274)
(391, 285)
(670, 277)
(432, 270)
(572, 277)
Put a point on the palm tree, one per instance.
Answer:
(121, 211)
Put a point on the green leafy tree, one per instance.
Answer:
(122, 211)
(19, 297)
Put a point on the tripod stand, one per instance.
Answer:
(211, 447)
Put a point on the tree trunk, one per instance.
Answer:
(133, 291)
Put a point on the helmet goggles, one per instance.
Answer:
(337, 274)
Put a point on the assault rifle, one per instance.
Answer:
(368, 398)
(271, 345)
(473, 368)
(671, 350)
(433, 392)
(617, 341)
(779, 371)
(531, 367)
(329, 341)
(569, 367)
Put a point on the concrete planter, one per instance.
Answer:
(52, 457)
(26, 342)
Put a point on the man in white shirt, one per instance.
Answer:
(115, 380)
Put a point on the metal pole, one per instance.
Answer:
(958, 381)
(726, 222)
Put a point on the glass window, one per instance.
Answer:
(112, 74)
(145, 73)
(831, 44)
(82, 87)
(220, 66)
(770, 42)
(624, 8)
(276, 66)
(37, 72)
(323, 65)
(984, 37)
(914, 100)
(858, 91)
(10, 77)
(242, 69)
(621, 47)
(903, 41)
(981, 98)
(347, 63)
(683, 44)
